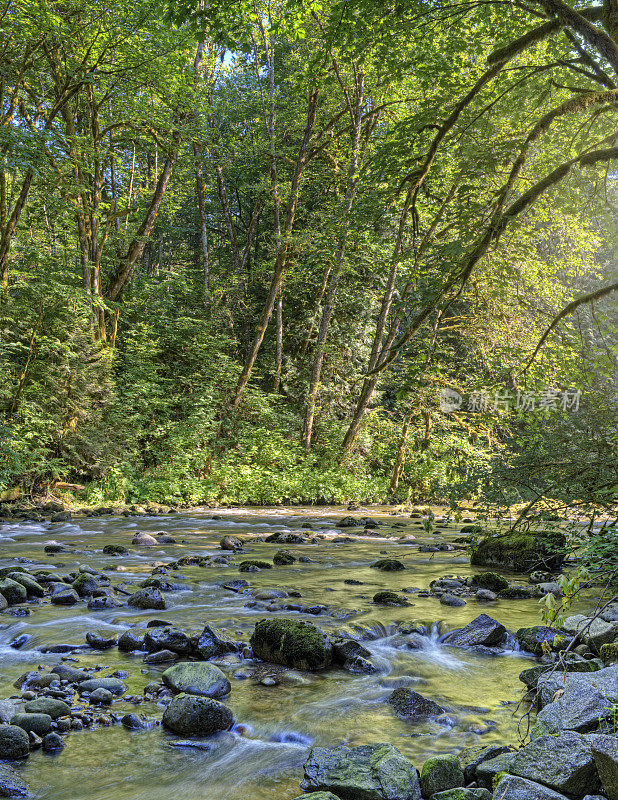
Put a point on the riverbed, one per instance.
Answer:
(278, 723)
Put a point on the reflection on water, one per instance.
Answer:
(279, 722)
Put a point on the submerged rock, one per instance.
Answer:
(199, 678)
(411, 705)
(200, 716)
(293, 643)
(370, 772)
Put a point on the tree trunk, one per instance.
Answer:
(401, 452)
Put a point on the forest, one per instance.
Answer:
(246, 247)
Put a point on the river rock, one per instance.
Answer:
(11, 785)
(197, 677)
(64, 596)
(530, 677)
(113, 685)
(411, 705)
(521, 552)
(13, 592)
(48, 705)
(463, 794)
(115, 550)
(147, 598)
(564, 763)
(174, 639)
(31, 586)
(583, 704)
(471, 757)
(131, 640)
(64, 672)
(37, 723)
(14, 742)
(200, 716)
(85, 585)
(440, 773)
(487, 770)
(211, 645)
(283, 558)
(101, 640)
(531, 639)
(481, 631)
(101, 697)
(511, 787)
(605, 754)
(388, 598)
(370, 772)
(489, 580)
(595, 633)
(144, 540)
(388, 565)
(52, 742)
(292, 643)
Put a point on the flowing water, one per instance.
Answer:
(264, 757)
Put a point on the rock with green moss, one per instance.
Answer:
(388, 598)
(539, 637)
(593, 632)
(474, 529)
(514, 592)
(521, 552)
(250, 565)
(564, 763)
(368, 772)
(293, 643)
(191, 715)
(85, 585)
(13, 592)
(489, 580)
(388, 565)
(283, 558)
(31, 586)
(609, 653)
(462, 794)
(487, 770)
(318, 796)
(440, 773)
(197, 677)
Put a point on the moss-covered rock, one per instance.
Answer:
(517, 593)
(533, 639)
(31, 586)
(12, 591)
(440, 773)
(388, 565)
(474, 529)
(249, 564)
(293, 643)
(14, 742)
(521, 552)
(48, 705)
(388, 598)
(198, 716)
(609, 653)
(462, 794)
(198, 678)
(283, 558)
(489, 580)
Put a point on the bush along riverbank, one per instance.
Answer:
(569, 709)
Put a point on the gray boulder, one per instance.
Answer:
(64, 597)
(595, 633)
(511, 787)
(11, 785)
(48, 705)
(605, 754)
(200, 678)
(411, 705)
(370, 772)
(200, 716)
(211, 645)
(113, 685)
(133, 639)
(147, 598)
(481, 631)
(173, 639)
(35, 723)
(582, 705)
(564, 763)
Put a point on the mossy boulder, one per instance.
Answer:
(293, 643)
(533, 639)
(609, 653)
(474, 529)
(283, 558)
(199, 678)
(517, 593)
(388, 565)
(387, 598)
(440, 773)
(85, 585)
(13, 592)
(33, 588)
(115, 550)
(35, 723)
(191, 715)
(14, 742)
(521, 552)
(249, 564)
(48, 705)
(489, 580)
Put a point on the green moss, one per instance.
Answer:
(388, 565)
(387, 598)
(609, 653)
(521, 552)
(282, 558)
(291, 642)
(245, 566)
(489, 580)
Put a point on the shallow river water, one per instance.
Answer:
(279, 722)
